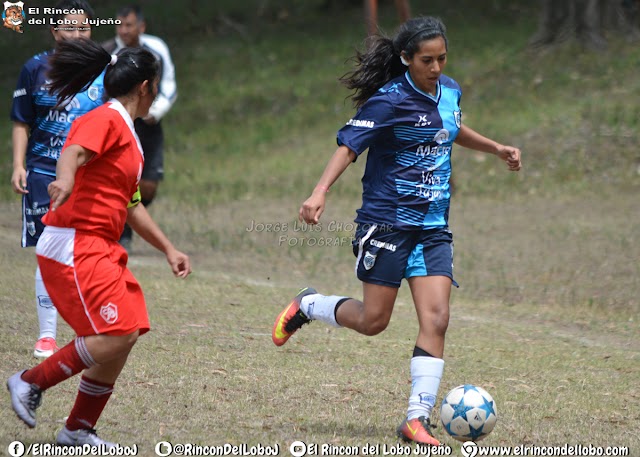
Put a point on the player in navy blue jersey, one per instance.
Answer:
(39, 131)
(408, 118)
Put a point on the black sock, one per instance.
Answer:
(335, 311)
(419, 352)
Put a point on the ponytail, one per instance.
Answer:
(374, 68)
(75, 64)
(381, 62)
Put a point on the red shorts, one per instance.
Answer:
(89, 283)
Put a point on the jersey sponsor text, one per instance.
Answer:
(361, 123)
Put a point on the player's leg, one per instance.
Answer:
(152, 140)
(47, 320)
(69, 275)
(82, 353)
(368, 317)
(381, 256)
(94, 391)
(431, 298)
(35, 205)
(429, 273)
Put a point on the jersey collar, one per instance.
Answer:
(435, 98)
(116, 105)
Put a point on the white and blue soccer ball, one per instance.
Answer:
(468, 413)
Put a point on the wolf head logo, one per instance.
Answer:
(13, 16)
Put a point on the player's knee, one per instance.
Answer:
(440, 319)
(125, 343)
(375, 326)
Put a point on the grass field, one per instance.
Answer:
(546, 318)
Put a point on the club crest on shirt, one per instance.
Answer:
(109, 313)
(457, 115)
(93, 93)
(442, 136)
(369, 260)
(68, 105)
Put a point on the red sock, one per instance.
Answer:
(68, 361)
(91, 400)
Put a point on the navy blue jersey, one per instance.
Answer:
(33, 105)
(409, 135)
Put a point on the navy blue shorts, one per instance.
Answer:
(35, 204)
(386, 256)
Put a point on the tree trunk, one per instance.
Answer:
(586, 21)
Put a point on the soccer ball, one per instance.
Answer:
(468, 413)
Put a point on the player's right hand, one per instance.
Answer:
(59, 192)
(179, 262)
(19, 180)
(312, 208)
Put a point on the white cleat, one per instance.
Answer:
(25, 398)
(81, 437)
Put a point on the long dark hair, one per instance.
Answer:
(75, 64)
(380, 62)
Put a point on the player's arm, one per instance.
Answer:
(470, 139)
(139, 219)
(71, 158)
(313, 207)
(23, 115)
(20, 139)
(167, 87)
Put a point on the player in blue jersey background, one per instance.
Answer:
(39, 132)
(408, 119)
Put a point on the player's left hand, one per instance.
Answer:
(59, 192)
(179, 263)
(511, 155)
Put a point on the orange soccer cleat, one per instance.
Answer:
(290, 319)
(417, 430)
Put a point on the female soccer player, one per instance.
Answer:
(39, 131)
(409, 117)
(83, 266)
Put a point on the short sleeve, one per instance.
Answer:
(371, 121)
(95, 132)
(22, 108)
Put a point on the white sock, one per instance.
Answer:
(47, 314)
(426, 373)
(321, 307)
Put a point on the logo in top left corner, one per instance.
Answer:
(13, 16)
